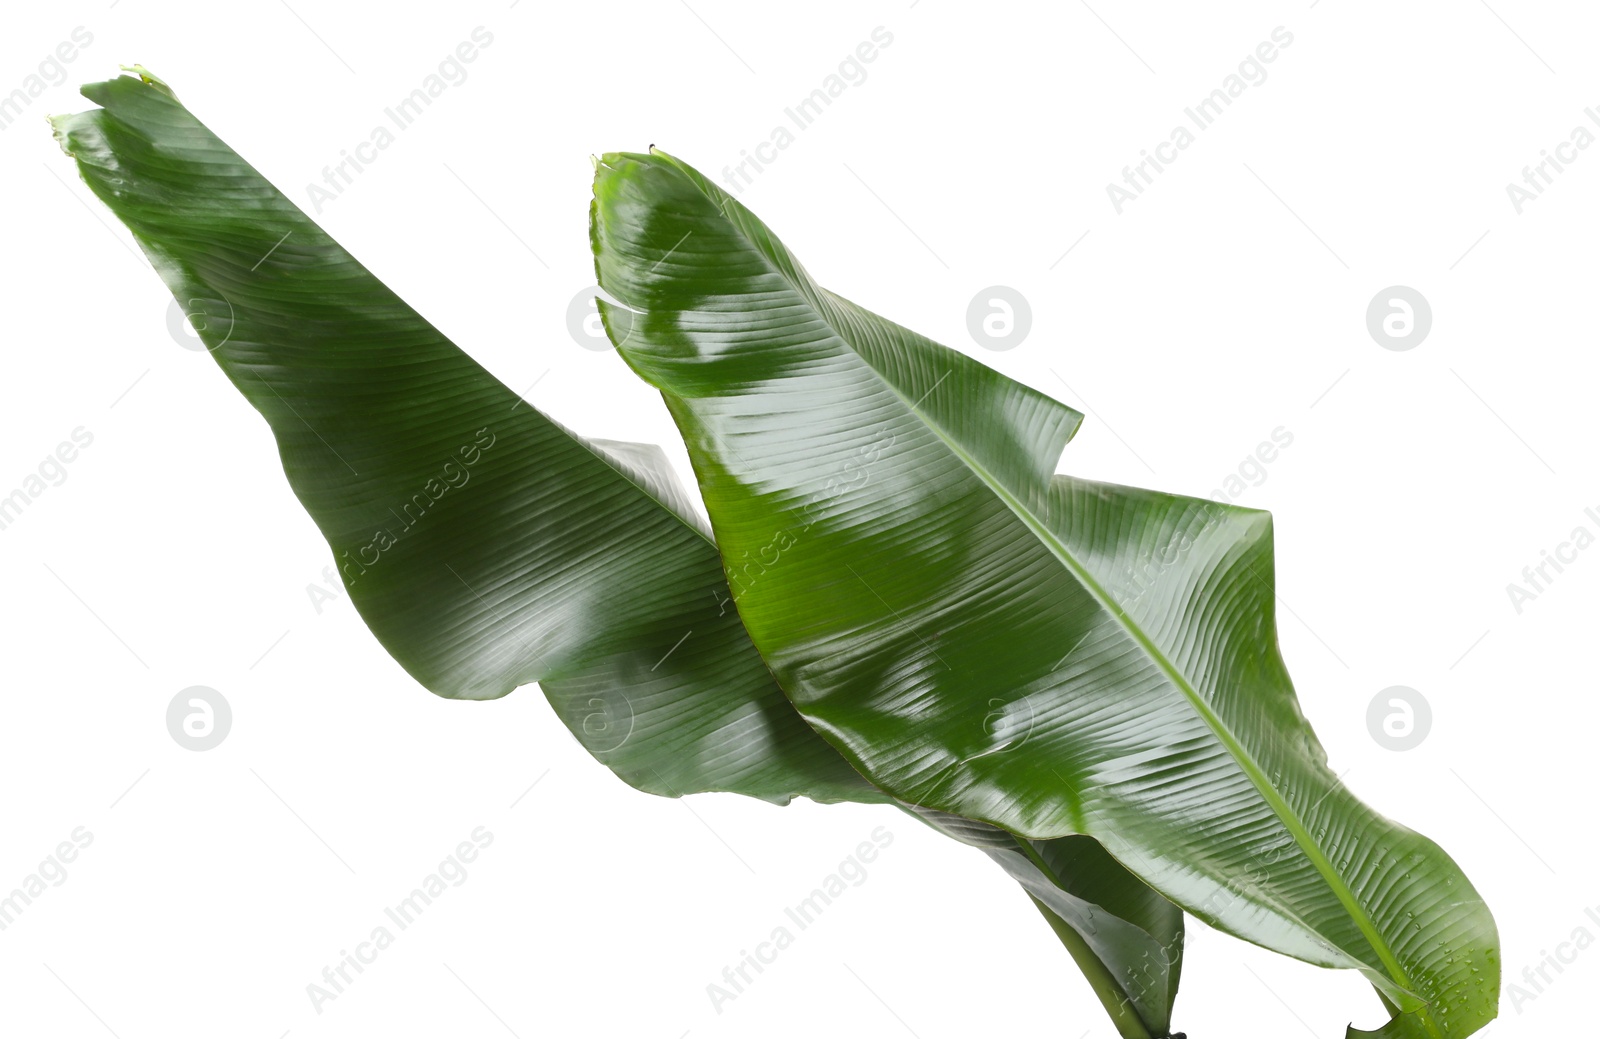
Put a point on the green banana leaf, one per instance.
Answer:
(913, 571)
(487, 547)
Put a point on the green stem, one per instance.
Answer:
(1105, 985)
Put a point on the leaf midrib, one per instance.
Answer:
(1220, 729)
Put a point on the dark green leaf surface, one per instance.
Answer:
(485, 545)
(983, 638)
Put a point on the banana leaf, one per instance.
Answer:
(985, 638)
(487, 546)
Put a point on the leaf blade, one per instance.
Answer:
(882, 617)
(484, 544)
(365, 397)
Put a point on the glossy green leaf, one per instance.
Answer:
(981, 637)
(486, 546)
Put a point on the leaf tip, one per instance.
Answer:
(149, 78)
(60, 131)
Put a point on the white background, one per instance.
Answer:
(1227, 301)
